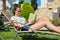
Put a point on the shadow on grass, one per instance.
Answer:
(26, 37)
(41, 37)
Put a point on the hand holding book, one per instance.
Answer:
(31, 17)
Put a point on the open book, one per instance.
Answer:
(31, 17)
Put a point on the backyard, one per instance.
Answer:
(11, 33)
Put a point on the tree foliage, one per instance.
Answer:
(21, 2)
(34, 4)
(26, 10)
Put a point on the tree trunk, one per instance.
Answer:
(4, 5)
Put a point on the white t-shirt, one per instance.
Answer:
(19, 19)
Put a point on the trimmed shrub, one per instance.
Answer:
(26, 10)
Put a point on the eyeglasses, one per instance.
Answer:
(19, 11)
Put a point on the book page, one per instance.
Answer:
(31, 17)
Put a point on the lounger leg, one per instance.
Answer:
(15, 37)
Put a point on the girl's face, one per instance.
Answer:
(17, 11)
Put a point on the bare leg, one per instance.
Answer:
(39, 24)
(48, 24)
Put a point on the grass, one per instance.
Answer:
(9, 35)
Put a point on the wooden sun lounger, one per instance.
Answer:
(8, 16)
(45, 32)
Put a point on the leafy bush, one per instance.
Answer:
(26, 10)
(34, 4)
(55, 22)
(1, 23)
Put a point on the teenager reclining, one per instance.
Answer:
(44, 21)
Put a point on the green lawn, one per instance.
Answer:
(9, 35)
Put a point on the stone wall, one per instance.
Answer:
(51, 6)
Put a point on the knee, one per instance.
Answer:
(45, 18)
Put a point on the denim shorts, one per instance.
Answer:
(26, 28)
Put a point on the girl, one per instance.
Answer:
(36, 26)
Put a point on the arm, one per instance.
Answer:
(31, 22)
(17, 25)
